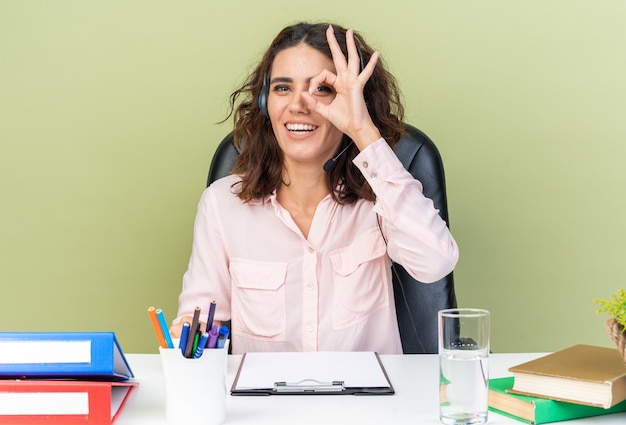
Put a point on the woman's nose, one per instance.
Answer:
(298, 104)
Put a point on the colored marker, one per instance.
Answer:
(192, 333)
(164, 328)
(222, 336)
(203, 339)
(212, 342)
(157, 327)
(196, 339)
(184, 334)
(209, 322)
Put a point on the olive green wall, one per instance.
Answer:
(107, 126)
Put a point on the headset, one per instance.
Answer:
(265, 89)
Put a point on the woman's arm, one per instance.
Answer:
(417, 237)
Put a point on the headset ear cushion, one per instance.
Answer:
(263, 95)
(262, 102)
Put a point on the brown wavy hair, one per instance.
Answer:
(260, 161)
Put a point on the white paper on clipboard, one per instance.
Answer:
(353, 369)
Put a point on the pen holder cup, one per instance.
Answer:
(195, 389)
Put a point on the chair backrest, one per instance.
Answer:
(417, 303)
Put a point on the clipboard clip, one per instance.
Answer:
(308, 386)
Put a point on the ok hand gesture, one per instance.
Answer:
(348, 111)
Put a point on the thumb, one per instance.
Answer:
(313, 104)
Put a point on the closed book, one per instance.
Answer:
(537, 410)
(85, 355)
(67, 402)
(583, 374)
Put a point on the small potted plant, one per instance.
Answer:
(616, 324)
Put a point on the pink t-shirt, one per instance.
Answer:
(330, 292)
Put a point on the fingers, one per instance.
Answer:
(176, 329)
(354, 63)
(371, 65)
(348, 80)
(325, 77)
(339, 59)
(354, 56)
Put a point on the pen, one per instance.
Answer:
(209, 322)
(184, 334)
(196, 339)
(157, 327)
(222, 336)
(201, 344)
(212, 342)
(192, 333)
(164, 328)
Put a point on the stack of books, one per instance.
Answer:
(62, 377)
(577, 382)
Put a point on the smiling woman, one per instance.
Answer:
(306, 138)
(296, 253)
(254, 131)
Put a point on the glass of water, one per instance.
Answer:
(463, 366)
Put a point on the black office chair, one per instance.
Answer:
(417, 303)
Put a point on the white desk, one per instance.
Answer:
(414, 377)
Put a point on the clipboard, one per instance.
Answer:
(311, 373)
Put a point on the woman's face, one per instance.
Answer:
(304, 136)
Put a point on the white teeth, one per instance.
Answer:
(301, 127)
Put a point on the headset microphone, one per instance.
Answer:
(331, 163)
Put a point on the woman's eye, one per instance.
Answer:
(281, 88)
(324, 90)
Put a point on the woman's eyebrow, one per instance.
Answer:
(287, 80)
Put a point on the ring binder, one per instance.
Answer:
(308, 385)
(94, 355)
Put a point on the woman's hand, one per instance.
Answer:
(176, 329)
(348, 111)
